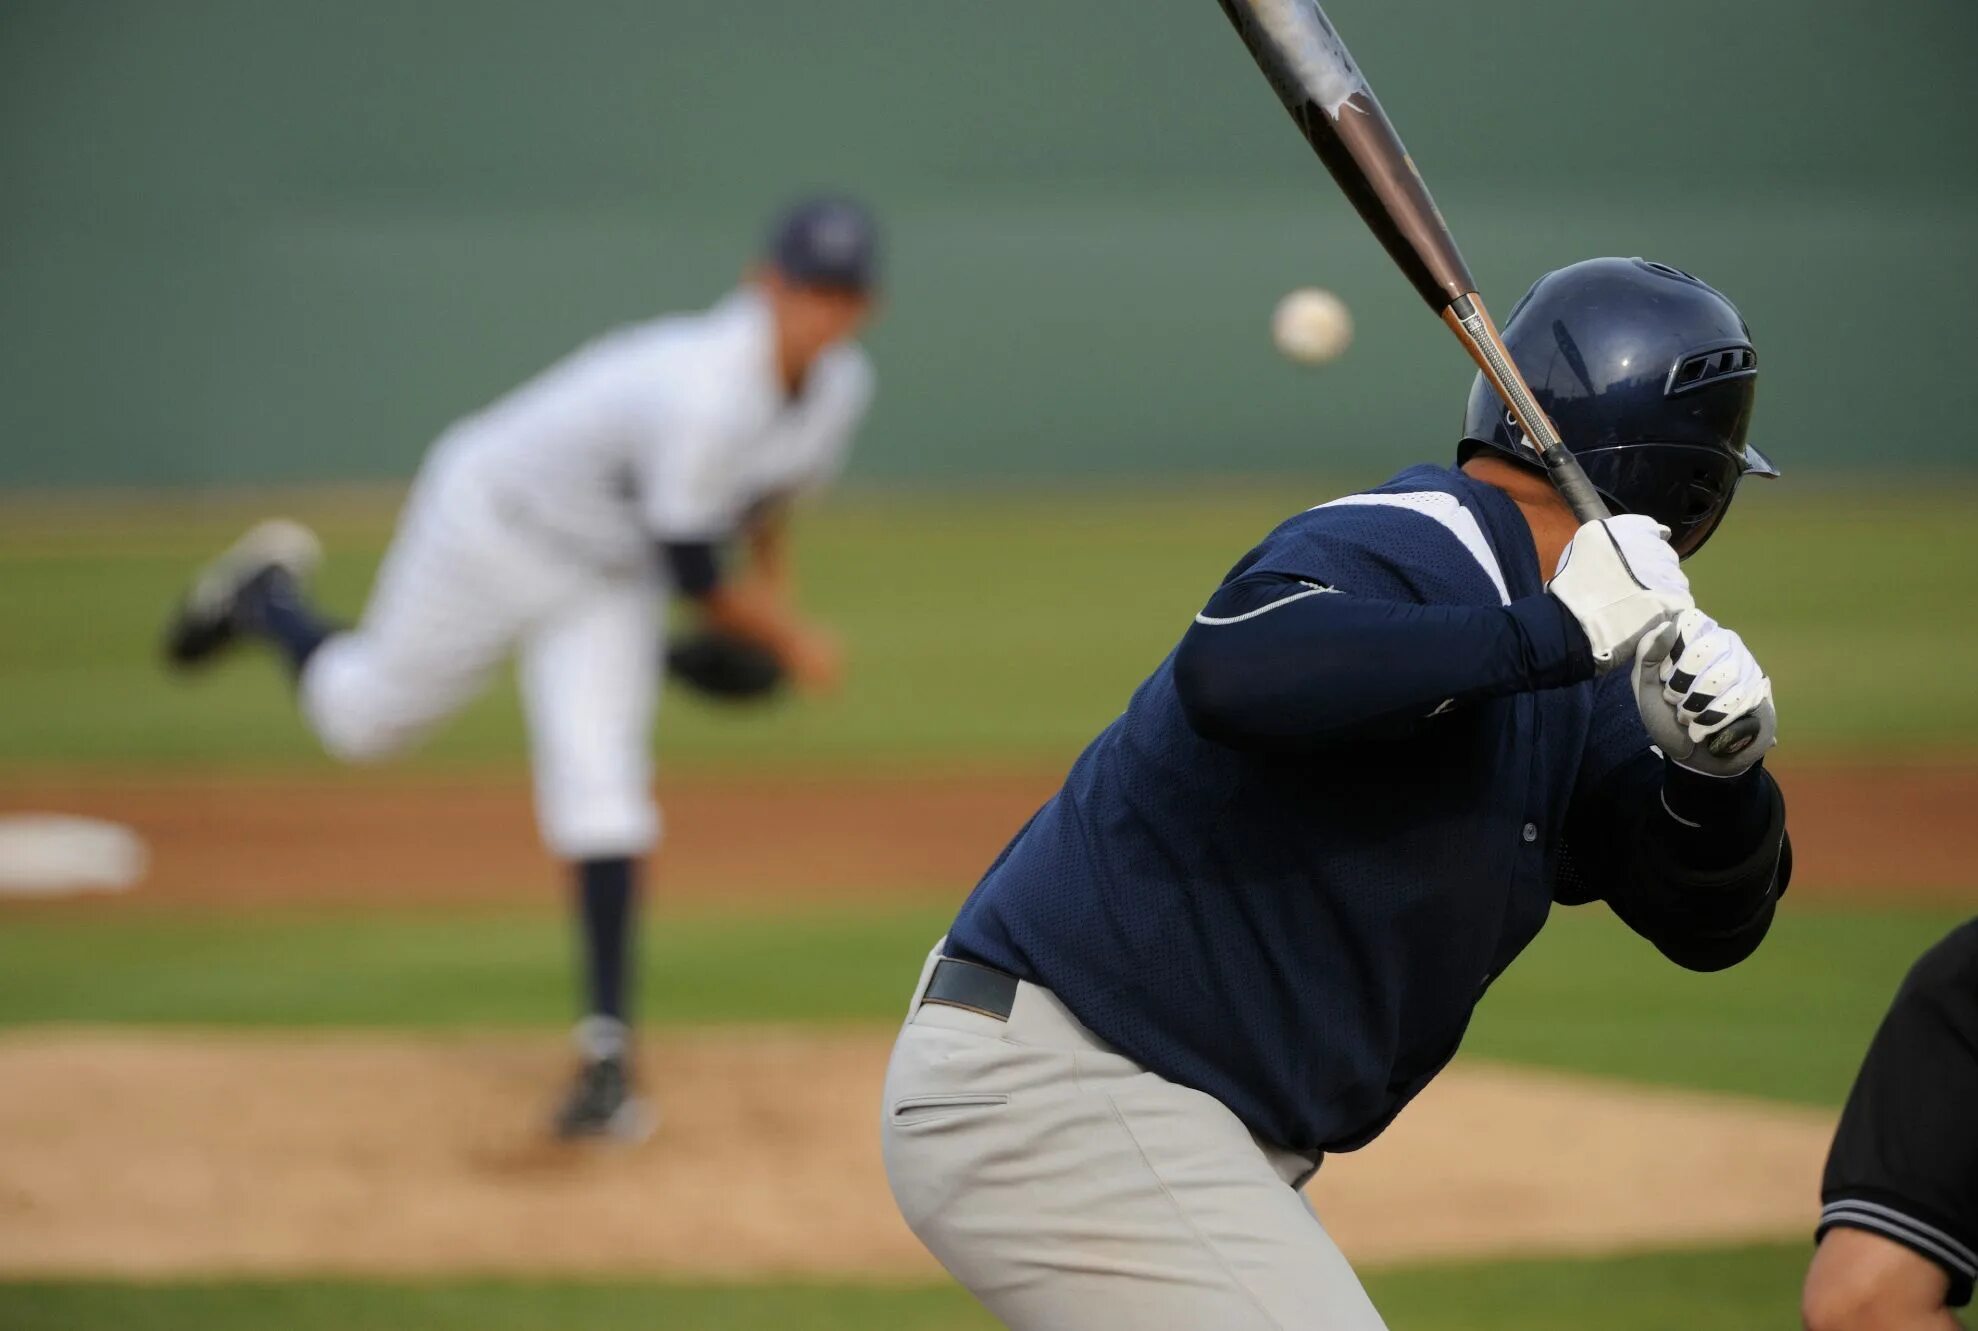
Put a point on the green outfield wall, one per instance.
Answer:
(284, 240)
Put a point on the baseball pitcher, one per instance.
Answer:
(1255, 921)
(553, 526)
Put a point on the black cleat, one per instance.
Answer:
(603, 1104)
(208, 619)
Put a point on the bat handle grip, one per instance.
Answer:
(1570, 479)
(1735, 737)
(1471, 323)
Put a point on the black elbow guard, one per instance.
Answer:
(1713, 918)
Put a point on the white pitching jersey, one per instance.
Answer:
(662, 431)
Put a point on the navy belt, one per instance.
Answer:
(972, 987)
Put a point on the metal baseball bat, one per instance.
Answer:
(1300, 52)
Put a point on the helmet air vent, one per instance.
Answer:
(1710, 366)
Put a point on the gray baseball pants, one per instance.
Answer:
(1069, 1188)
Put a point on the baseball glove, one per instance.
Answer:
(725, 667)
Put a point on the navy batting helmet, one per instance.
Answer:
(1649, 375)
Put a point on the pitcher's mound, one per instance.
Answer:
(146, 1154)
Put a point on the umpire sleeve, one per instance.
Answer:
(1905, 1158)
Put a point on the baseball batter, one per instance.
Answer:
(553, 526)
(1255, 921)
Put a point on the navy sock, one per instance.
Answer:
(272, 607)
(607, 891)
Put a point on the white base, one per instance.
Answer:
(53, 854)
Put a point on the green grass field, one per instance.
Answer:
(992, 629)
(1588, 995)
(997, 628)
(1735, 1289)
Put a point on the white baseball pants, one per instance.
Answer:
(1071, 1189)
(459, 590)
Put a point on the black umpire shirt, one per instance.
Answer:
(1905, 1159)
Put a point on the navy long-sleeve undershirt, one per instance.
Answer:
(1273, 663)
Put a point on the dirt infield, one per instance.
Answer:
(150, 1155)
(379, 840)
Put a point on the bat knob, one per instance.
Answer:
(1734, 738)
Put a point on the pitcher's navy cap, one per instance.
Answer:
(826, 242)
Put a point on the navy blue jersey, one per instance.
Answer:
(1304, 934)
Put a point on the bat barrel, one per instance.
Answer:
(1313, 73)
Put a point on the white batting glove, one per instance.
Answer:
(1693, 678)
(1621, 579)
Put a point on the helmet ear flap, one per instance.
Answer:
(1685, 487)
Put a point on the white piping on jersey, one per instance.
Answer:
(1448, 510)
(1311, 589)
(1873, 1215)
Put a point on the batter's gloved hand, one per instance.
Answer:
(1621, 580)
(1693, 678)
(725, 666)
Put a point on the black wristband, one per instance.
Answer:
(1694, 797)
(693, 566)
(1717, 821)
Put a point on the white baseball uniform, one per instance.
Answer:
(532, 527)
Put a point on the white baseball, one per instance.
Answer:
(1311, 326)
